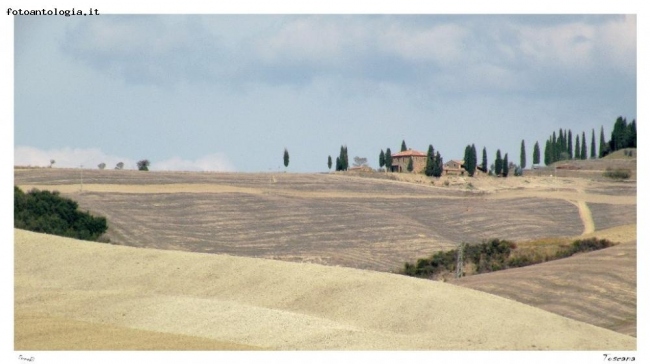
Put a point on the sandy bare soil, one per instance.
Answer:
(108, 293)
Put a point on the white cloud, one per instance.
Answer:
(92, 157)
(67, 158)
(213, 162)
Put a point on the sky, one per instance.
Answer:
(231, 92)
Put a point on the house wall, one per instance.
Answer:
(400, 164)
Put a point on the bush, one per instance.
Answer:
(618, 173)
(47, 212)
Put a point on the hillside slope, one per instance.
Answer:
(599, 287)
(64, 287)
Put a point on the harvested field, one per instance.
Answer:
(109, 293)
(608, 215)
(330, 219)
(598, 287)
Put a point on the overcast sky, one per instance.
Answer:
(230, 92)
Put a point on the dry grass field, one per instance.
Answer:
(374, 222)
(78, 295)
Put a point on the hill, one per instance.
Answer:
(65, 288)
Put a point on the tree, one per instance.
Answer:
(437, 171)
(498, 163)
(360, 161)
(285, 158)
(389, 160)
(431, 159)
(577, 152)
(329, 162)
(409, 167)
(382, 159)
(339, 166)
(536, 153)
(474, 161)
(631, 142)
(343, 155)
(547, 153)
(101, 165)
(603, 144)
(52, 161)
(403, 146)
(506, 166)
(583, 149)
(593, 144)
(522, 157)
(570, 145)
(143, 165)
(485, 161)
(119, 165)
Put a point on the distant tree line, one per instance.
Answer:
(48, 212)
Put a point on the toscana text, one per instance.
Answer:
(56, 11)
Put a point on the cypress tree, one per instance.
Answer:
(429, 168)
(577, 153)
(554, 148)
(388, 157)
(547, 153)
(382, 159)
(339, 167)
(505, 166)
(569, 148)
(329, 162)
(286, 158)
(536, 153)
(485, 161)
(403, 146)
(437, 171)
(603, 144)
(561, 145)
(593, 144)
(474, 160)
(498, 163)
(466, 158)
(583, 149)
(522, 157)
(631, 143)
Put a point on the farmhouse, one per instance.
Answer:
(401, 161)
(454, 167)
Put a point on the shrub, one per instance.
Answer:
(618, 173)
(47, 212)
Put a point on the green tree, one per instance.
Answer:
(498, 163)
(343, 156)
(536, 155)
(631, 134)
(593, 144)
(603, 144)
(409, 167)
(119, 165)
(472, 154)
(389, 160)
(506, 166)
(430, 166)
(329, 162)
(403, 146)
(339, 166)
(577, 152)
(437, 171)
(547, 153)
(569, 148)
(286, 158)
(522, 157)
(485, 161)
(382, 159)
(101, 165)
(583, 149)
(143, 165)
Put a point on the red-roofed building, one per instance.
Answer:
(401, 161)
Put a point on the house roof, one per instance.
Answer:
(409, 153)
